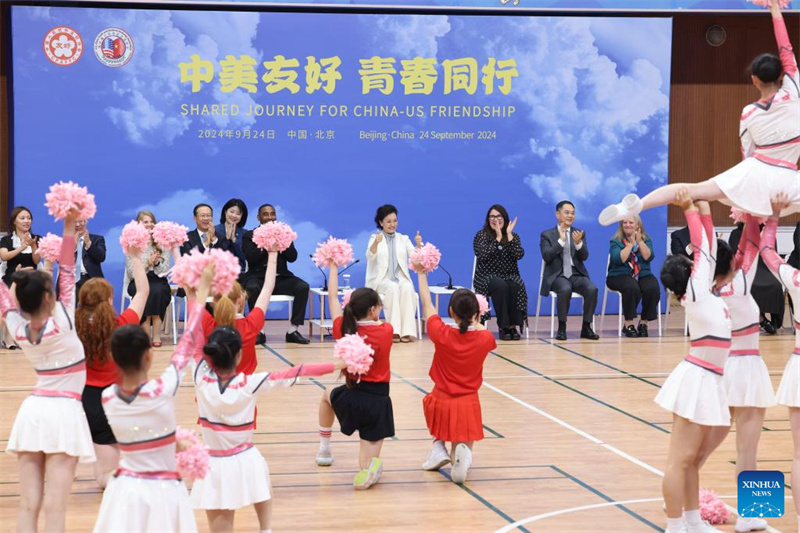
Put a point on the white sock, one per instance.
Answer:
(674, 524)
(325, 438)
(266, 531)
(293, 328)
(439, 444)
(693, 517)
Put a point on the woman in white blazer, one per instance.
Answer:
(387, 272)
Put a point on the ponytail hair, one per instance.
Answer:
(361, 301)
(223, 345)
(31, 288)
(464, 308)
(95, 320)
(225, 308)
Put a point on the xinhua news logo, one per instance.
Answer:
(761, 494)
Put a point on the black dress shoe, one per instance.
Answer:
(643, 330)
(768, 327)
(588, 333)
(296, 338)
(561, 335)
(630, 331)
(505, 335)
(514, 334)
(261, 339)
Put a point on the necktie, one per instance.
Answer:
(79, 261)
(567, 257)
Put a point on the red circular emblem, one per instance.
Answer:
(63, 46)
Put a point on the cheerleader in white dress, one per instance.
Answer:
(694, 391)
(226, 402)
(770, 136)
(746, 380)
(789, 389)
(146, 493)
(50, 433)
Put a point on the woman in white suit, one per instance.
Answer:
(387, 272)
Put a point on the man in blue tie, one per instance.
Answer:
(564, 250)
(90, 252)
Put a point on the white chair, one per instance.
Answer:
(619, 313)
(275, 298)
(671, 295)
(472, 288)
(552, 297)
(171, 316)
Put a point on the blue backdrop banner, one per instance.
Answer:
(328, 116)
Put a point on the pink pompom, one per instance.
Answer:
(765, 3)
(169, 234)
(50, 247)
(483, 303)
(425, 259)
(712, 509)
(188, 269)
(338, 251)
(355, 352)
(134, 236)
(274, 235)
(192, 457)
(68, 196)
(346, 298)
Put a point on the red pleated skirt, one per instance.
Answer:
(453, 418)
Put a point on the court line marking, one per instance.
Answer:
(592, 438)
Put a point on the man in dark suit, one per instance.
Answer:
(564, 250)
(681, 244)
(286, 283)
(90, 252)
(205, 235)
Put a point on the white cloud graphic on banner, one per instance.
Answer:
(409, 36)
(150, 91)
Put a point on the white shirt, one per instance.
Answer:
(564, 245)
(202, 235)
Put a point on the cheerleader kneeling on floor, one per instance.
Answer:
(694, 390)
(453, 408)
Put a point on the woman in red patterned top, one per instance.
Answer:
(453, 408)
(95, 321)
(361, 404)
(228, 311)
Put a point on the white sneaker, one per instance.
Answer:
(324, 457)
(630, 205)
(702, 527)
(437, 458)
(743, 524)
(682, 529)
(461, 467)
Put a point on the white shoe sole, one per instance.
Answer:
(630, 205)
(461, 466)
(745, 529)
(324, 461)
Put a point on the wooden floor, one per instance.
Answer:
(571, 431)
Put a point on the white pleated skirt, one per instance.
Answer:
(233, 482)
(52, 425)
(751, 185)
(747, 382)
(145, 505)
(696, 394)
(789, 389)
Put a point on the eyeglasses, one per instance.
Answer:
(496, 217)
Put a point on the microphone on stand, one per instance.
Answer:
(350, 265)
(325, 287)
(450, 286)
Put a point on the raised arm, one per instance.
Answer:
(97, 248)
(290, 254)
(428, 310)
(192, 340)
(515, 245)
(333, 292)
(269, 282)
(66, 265)
(785, 52)
(139, 301)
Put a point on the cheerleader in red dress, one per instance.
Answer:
(453, 408)
(789, 389)
(694, 391)
(746, 380)
(228, 311)
(362, 404)
(50, 433)
(770, 135)
(95, 321)
(146, 493)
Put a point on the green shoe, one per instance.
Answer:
(366, 478)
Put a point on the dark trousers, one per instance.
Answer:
(645, 290)
(285, 286)
(503, 293)
(582, 285)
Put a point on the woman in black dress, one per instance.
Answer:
(19, 249)
(498, 250)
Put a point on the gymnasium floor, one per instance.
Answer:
(573, 442)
